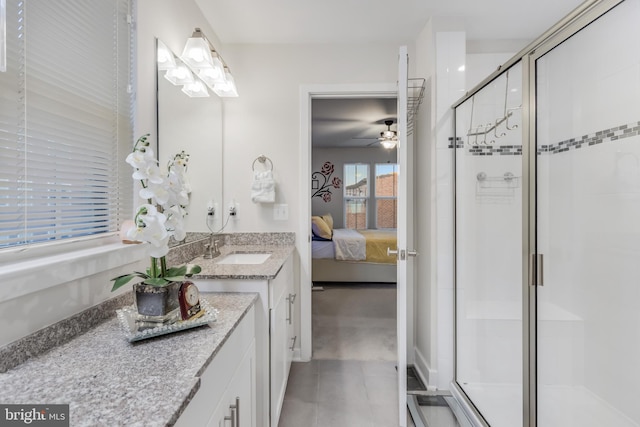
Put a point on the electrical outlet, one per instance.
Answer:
(281, 212)
(233, 208)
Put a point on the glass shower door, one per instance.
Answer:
(588, 224)
(488, 171)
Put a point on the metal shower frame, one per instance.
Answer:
(575, 21)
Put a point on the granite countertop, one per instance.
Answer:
(265, 271)
(110, 382)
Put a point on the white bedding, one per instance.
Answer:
(349, 245)
(322, 249)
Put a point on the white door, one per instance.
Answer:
(405, 232)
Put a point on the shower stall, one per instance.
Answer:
(547, 229)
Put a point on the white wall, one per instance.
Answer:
(340, 156)
(440, 51)
(265, 119)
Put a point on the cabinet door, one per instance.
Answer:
(279, 356)
(238, 405)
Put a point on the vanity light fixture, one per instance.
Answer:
(203, 59)
(197, 53)
(388, 138)
(166, 60)
(213, 75)
(180, 75)
(228, 88)
(197, 89)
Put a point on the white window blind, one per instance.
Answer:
(65, 120)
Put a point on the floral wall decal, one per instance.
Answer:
(322, 183)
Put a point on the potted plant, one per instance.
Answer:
(156, 296)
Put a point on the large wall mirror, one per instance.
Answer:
(192, 125)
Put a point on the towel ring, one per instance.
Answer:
(262, 159)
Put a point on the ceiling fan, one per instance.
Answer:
(388, 138)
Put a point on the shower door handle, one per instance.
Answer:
(536, 270)
(412, 253)
(391, 252)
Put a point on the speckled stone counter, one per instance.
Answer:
(265, 271)
(108, 381)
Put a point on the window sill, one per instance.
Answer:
(26, 276)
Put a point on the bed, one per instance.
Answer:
(355, 256)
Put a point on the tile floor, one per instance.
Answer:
(341, 393)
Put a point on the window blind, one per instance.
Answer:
(65, 120)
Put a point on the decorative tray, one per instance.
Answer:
(136, 329)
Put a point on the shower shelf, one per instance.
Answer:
(497, 186)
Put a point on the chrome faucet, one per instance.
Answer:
(211, 249)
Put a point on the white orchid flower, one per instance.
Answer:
(150, 172)
(141, 157)
(161, 250)
(159, 193)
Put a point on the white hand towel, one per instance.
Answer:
(263, 187)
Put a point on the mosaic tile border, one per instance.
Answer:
(599, 137)
(603, 136)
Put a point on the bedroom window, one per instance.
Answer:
(356, 195)
(386, 189)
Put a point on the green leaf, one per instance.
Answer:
(183, 270)
(156, 281)
(177, 271)
(175, 278)
(192, 269)
(123, 280)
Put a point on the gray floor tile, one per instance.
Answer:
(296, 413)
(342, 387)
(342, 413)
(375, 368)
(303, 368)
(385, 414)
(303, 388)
(351, 367)
(381, 389)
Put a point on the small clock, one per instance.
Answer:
(189, 298)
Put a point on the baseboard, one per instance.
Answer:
(428, 376)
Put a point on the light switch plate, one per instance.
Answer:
(280, 212)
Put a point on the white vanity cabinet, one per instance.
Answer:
(282, 338)
(227, 393)
(275, 340)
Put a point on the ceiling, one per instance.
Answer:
(350, 122)
(368, 21)
(358, 122)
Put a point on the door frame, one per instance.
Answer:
(307, 93)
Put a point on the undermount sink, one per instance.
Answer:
(243, 258)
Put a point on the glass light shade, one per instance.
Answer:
(166, 60)
(197, 89)
(214, 75)
(389, 143)
(197, 53)
(180, 75)
(228, 88)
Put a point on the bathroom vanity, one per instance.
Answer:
(185, 378)
(246, 268)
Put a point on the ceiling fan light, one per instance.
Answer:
(389, 143)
